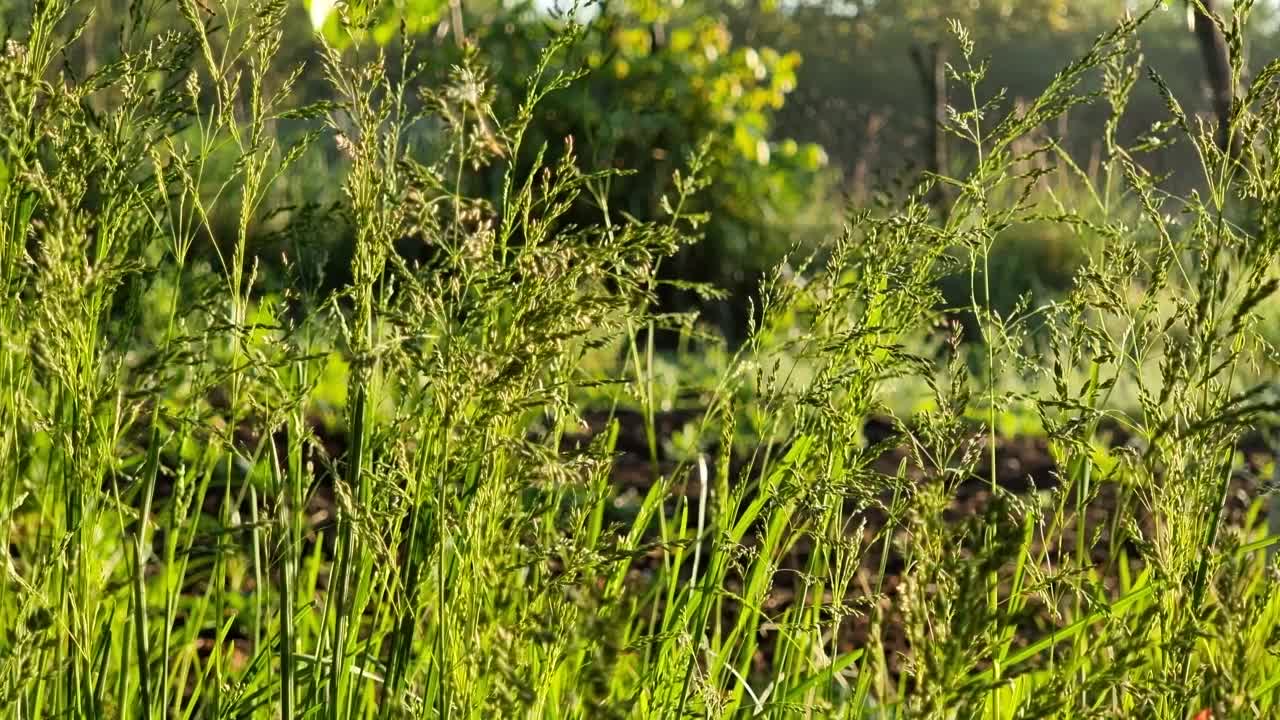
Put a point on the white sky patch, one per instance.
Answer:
(580, 10)
(320, 10)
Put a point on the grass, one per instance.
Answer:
(225, 495)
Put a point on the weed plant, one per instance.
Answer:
(184, 539)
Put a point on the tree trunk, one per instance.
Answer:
(932, 67)
(1213, 47)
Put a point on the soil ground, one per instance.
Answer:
(1024, 466)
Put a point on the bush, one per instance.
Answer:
(657, 84)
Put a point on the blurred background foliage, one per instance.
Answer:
(660, 83)
(806, 108)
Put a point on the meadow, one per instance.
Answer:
(481, 468)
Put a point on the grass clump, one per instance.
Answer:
(224, 495)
